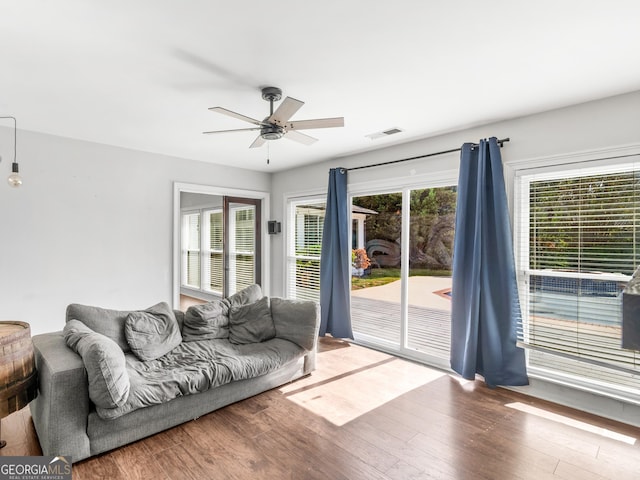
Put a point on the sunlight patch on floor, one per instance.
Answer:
(347, 396)
(468, 385)
(571, 422)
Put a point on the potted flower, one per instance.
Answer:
(359, 261)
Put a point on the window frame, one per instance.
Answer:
(291, 257)
(572, 166)
(265, 246)
(184, 250)
(206, 250)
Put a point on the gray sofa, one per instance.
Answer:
(98, 390)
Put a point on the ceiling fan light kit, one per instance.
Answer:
(277, 124)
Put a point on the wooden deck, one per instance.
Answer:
(429, 329)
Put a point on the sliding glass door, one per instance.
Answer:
(401, 299)
(376, 285)
(431, 225)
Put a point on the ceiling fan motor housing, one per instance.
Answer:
(271, 132)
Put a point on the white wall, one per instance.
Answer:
(196, 201)
(598, 125)
(92, 224)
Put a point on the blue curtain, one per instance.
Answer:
(335, 260)
(485, 307)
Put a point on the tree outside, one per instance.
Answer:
(431, 230)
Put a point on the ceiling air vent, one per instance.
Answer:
(384, 133)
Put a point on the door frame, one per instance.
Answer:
(178, 188)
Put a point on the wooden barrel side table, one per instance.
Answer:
(18, 376)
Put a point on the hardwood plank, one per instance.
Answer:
(180, 462)
(301, 461)
(166, 440)
(14, 432)
(225, 448)
(574, 472)
(442, 466)
(98, 468)
(290, 416)
(403, 471)
(136, 461)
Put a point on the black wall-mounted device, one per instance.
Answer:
(274, 227)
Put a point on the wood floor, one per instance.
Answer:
(366, 415)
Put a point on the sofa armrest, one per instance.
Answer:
(310, 358)
(61, 408)
(298, 321)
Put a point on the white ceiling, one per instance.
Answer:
(142, 73)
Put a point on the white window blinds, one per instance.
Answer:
(213, 254)
(578, 246)
(242, 247)
(306, 220)
(191, 250)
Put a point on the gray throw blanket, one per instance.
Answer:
(195, 367)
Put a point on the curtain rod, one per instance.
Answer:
(500, 142)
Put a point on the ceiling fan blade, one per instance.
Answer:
(234, 130)
(285, 111)
(300, 137)
(239, 116)
(258, 142)
(316, 123)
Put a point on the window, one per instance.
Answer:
(202, 254)
(191, 250)
(213, 254)
(578, 244)
(241, 247)
(304, 246)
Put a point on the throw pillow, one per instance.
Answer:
(109, 323)
(296, 321)
(105, 364)
(251, 323)
(153, 332)
(247, 295)
(211, 320)
(206, 322)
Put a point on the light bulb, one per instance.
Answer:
(15, 180)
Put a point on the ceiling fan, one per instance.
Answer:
(277, 124)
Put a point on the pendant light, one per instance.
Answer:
(15, 180)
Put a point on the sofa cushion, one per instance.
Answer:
(293, 321)
(104, 361)
(251, 323)
(153, 332)
(211, 320)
